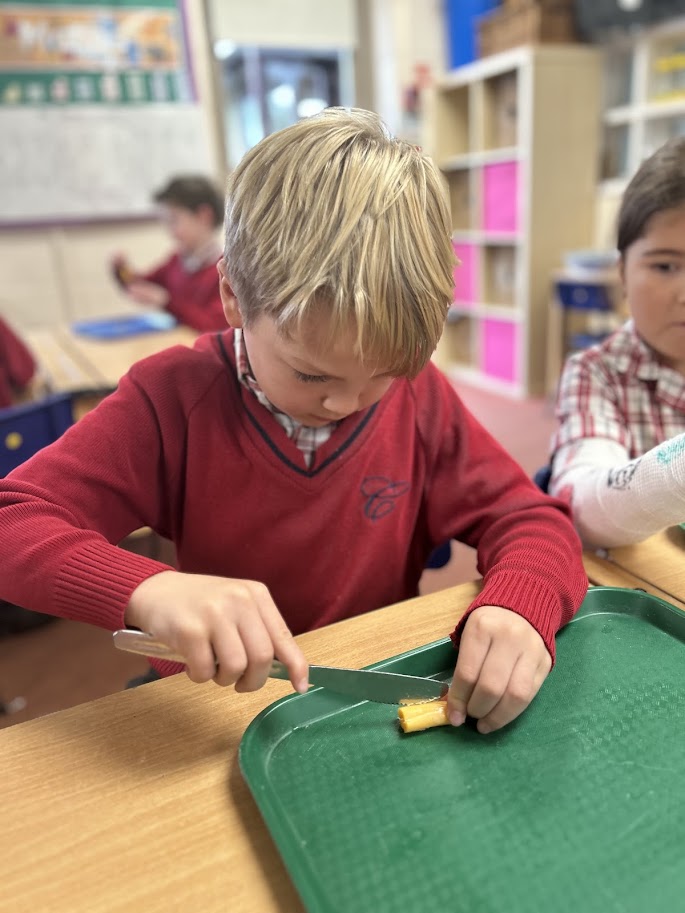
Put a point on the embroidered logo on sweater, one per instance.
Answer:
(381, 496)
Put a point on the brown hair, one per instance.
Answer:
(192, 191)
(658, 184)
(335, 214)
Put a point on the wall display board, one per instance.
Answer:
(97, 108)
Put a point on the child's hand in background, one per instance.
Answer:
(502, 663)
(121, 271)
(218, 622)
(148, 293)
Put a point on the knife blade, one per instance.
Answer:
(365, 684)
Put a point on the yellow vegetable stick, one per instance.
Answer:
(415, 717)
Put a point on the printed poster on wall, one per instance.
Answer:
(97, 107)
(92, 53)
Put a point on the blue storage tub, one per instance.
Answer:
(587, 296)
(461, 16)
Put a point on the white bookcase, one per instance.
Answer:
(643, 102)
(516, 136)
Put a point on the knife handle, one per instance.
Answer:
(147, 645)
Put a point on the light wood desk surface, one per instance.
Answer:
(76, 363)
(136, 801)
(658, 563)
(63, 372)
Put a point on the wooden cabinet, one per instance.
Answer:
(516, 137)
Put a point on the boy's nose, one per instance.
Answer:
(342, 403)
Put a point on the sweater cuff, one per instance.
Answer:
(534, 600)
(166, 667)
(95, 584)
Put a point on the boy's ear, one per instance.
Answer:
(228, 299)
(622, 272)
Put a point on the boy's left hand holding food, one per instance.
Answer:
(502, 663)
(148, 293)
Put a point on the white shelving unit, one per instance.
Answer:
(643, 106)
(522, 182)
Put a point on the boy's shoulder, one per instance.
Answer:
(434, 398)
(183, 373)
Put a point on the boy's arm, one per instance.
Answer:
(63, 511)
(617, 501)
(528, 552)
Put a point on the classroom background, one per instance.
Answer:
(536, 111)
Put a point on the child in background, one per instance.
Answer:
(619, 450)
(17, 367)
(306, 461)
(186, 284)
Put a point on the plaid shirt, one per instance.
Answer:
(618, 391)
(307, 439)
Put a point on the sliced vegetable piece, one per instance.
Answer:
(415, 717)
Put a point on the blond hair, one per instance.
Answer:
(333, 214)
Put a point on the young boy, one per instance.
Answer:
(184, 285)
(307, 461)
(619, 451)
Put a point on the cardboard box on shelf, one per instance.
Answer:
(531, 24)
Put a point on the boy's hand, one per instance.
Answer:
(148, 293)
(502, 663)
(228, 630)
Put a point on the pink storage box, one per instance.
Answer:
(500, 197)
(498, 349)
(465, 274)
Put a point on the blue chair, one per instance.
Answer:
(543, 477)
(26, 429)
(440, 556)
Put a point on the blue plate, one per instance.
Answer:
(121, 327)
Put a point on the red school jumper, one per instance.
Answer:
(184, 448)
(193, 296)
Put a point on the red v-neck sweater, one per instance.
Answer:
(182, 447)
(194, 297)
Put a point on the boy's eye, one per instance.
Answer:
(311, 378)
(665, 267)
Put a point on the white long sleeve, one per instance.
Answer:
(618, 501)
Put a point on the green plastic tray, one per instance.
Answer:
(579, 805)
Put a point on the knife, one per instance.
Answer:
(382, 687)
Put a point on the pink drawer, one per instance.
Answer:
(498, 348)
(466, 274)
(500, 197)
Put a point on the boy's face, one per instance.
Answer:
(190, 230)
(653, 274)
(311, 379)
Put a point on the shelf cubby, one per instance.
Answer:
(522, 184)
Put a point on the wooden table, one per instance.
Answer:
(656, 565)
(136, 802)
(77, 363)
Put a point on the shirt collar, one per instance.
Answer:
(205, 255)
(633, 356)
